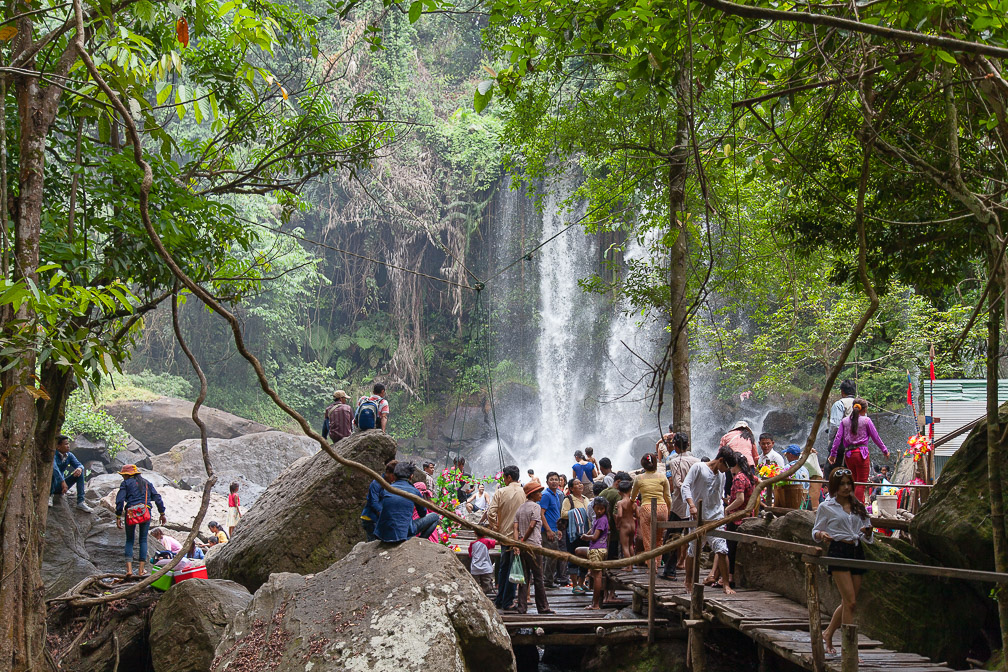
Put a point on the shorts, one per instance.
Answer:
(840, 549)
(597, 554)
(717, 544)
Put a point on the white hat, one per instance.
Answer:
(740, 424)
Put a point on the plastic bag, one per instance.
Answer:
(517, 573)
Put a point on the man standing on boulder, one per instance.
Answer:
(67, 471)
(372, 412)
(500, 518)
(338, 418)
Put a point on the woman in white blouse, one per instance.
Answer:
(842, 520)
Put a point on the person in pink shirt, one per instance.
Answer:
(741, 440)
(853, 434)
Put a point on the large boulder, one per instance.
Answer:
(164, 422)
(65, 558)
(954, 525)
(381, 608)
(907, 612)
(253, 461)
(307, 518)
(189, 621)
(87, 450)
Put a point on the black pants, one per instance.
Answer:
(671, 559)
(505, 589)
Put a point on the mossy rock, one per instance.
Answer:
(954, 524)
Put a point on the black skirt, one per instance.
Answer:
(839, 549)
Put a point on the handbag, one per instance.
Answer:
(517, 572)
(139, 513)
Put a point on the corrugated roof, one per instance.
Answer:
(957, 403)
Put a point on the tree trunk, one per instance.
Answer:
(678, 268)
(25, 461)
(995, 448)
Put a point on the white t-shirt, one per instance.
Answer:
(702, 485)
(773, 457)
(480, 560)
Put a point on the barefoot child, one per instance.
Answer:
(626, 518)
(234, 513)
(598, 541)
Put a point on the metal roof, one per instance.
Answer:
(957, 403)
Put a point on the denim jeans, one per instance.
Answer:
(130, 533)
(425, 526)
(368, 526)
(54, 487)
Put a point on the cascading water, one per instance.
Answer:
(568, 343)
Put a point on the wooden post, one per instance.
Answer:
(697, 658)
(849, 650)
(695, 639)
(815, 618)
(652, 572)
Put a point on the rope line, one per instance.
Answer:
(465, 358)
(493, 408)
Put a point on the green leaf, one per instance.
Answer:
(414, 11)
(945, 56)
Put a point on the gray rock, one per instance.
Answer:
(189, 621)
(253, 461)
(65, 560)
(382, 608)
(87, 450)
(307, 519)
(134, 453)
(164, 422)
(467, 423)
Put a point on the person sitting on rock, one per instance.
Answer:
(395, 521)
(67, 472)
(170, 543)
(219, 536)
(373, 504)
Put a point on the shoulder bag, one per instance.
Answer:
(139, 513)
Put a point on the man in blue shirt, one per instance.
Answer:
(67, 472)
(373, 504)
(551, 503)
(395, 520)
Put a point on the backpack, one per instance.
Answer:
(578, 522)
(366, 416)
(338, 420)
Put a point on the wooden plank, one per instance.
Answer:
(815, 618)
(592, 639)
(554, 623)
(902, 568)
(652, 571)
(848, 648)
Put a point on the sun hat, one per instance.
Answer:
(129, 470)
(339, 394)
(740, 424)
(531, 487)
(792, 449)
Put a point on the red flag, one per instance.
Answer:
(909, 390)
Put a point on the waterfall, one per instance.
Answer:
(568, 344)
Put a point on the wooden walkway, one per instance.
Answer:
(776, 623)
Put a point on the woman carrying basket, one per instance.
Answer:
(135, 497)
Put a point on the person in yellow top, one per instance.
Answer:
(575, 517)
(218, 533)
(650, 485)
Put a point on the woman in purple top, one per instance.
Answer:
(598, 542)
(854, 432)
(583, 470)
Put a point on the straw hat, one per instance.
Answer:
(532, 486)
(129, 470)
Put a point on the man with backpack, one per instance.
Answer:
(840, 409)
(372, 412)
(338, 422)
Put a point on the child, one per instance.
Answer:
(598, 541)
(234, 513)
(626, 519)
(480, 565)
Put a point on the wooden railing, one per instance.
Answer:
(812, 557)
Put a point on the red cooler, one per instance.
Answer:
(191, 573)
